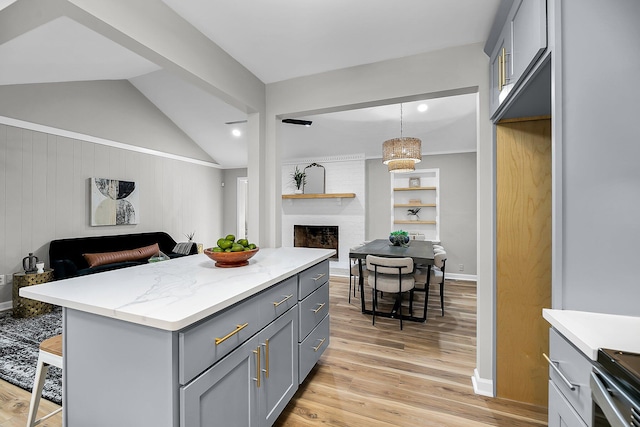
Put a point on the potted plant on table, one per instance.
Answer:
(399, 238)
(413, 214)
(299, 180)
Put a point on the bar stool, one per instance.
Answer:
(50, 354)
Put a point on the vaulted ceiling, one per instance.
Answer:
(275, 40)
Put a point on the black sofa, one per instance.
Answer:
(66, 256)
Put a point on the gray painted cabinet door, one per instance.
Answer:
(279, 344)
(528, 35)
(226, 394)
(561, 414)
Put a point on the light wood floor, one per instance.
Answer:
(378, 375)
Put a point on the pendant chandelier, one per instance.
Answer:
(402, 154)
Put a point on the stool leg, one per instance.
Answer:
(36, 393)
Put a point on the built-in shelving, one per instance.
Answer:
(414, 205)
(416, 190)
(408, 221)
(320, 196)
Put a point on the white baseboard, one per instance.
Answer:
(467, 277)
(339, 272)
(481, 386)
(7, 305)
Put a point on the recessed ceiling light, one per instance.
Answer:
(236, 132)
(423, 107)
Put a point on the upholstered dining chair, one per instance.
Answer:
(391, 275)
(437, 274)
(354, 273)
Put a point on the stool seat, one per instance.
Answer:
(52, 345)
(50, 354)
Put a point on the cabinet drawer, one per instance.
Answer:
(276, 300)
(312, 278)
(576, 368)
(312, 348)
(197, 346)
(313, 309)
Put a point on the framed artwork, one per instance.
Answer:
(414, 182)
(114, 202)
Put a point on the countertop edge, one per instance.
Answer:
(589, 331)
(169, 325)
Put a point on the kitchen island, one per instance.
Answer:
(184, 343)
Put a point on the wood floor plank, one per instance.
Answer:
(379, 376)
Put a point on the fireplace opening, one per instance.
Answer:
(316, 236)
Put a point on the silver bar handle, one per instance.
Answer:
(318, 277)
(602, 397)
(552, 363)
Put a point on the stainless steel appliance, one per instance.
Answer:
(615, 388)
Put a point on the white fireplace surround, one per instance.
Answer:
(343, 174)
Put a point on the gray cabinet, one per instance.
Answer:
(528, 25)
(522, 40)
(226, 394)
(500, 69)
(279, 366)
(249, 387)
(569, 390)
(313, 336)
(561, 413)
(251, 384)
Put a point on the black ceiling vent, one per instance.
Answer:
(297, 122)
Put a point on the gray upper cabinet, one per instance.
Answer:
(500, 69)
(521, 41)
(528, 35)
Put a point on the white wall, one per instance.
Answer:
(462, 69)
(341, 176)
(45, 194)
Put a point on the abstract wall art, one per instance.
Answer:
(114, 202)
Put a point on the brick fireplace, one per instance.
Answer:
(317, 236)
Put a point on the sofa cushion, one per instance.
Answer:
(108, 267)
(104, 258)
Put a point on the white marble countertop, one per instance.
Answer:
(173, 294)
(591, 331)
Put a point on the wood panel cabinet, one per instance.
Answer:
(523, 258)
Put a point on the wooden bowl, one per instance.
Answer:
(231, 259)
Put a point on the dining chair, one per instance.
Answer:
(354, 273)
(391, 275)
(437, 274)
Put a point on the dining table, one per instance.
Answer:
(421, 251)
